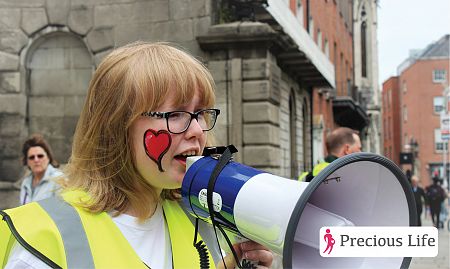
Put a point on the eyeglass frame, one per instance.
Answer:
(166, 115)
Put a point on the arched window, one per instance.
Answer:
(293, 135)
(59, 67)
(363, 44)
(305, 136)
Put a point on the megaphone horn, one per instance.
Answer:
(361, 189)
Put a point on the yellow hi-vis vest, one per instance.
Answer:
(319, 167)
(316, 170)
(57, 237)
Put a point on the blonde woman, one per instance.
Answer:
(149, 106)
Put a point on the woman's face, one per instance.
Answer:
(37, 160)
(155, 151)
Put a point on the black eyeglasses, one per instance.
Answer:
(179, 121)
(39, 156)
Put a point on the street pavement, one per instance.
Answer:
(442, 260)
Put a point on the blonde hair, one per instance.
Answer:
(130, 80)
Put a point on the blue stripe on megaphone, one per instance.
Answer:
(228, 184)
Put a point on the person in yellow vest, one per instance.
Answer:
(148, 107)
(340, 142)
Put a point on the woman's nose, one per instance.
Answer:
(194, 128)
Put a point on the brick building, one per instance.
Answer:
(346, 32)
(420, 86)
(266, 63)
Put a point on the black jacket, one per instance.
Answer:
(418, 194)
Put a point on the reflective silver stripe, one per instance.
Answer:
(66, 218)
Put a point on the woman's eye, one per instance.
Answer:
(201, 115)
(175, 116)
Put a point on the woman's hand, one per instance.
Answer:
(250, 251)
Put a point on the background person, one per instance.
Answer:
(148, 107)
(435, 195)
(340, 142)
(40, 183)
(419, 193)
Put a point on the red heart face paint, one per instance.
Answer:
(156, 144)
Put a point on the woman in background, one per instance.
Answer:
(38, 157)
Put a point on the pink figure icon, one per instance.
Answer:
(330, 241)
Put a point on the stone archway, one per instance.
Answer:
(58, 67)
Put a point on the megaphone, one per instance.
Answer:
(361, 189)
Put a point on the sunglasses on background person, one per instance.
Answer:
(39, 156)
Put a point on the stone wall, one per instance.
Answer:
(48, 50)
(253, 94)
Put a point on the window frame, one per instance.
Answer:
(439, 75)
(442, 105)
(439, 141)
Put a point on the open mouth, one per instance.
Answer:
(182, 157)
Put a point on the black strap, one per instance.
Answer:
(223, 161)
(25, 244)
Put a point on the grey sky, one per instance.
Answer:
(408, 24)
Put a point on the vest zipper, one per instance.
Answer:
(24, 243)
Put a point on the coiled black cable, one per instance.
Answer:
(203, 254)
(201, 249)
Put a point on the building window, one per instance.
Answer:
(438, 104)
(389, 97)
(439, 144)
(305, 134)
(293, 134)
(439, 75)
(350, 89)
(363, 31)
(405, 114)
(327, 49)
(311, 28)
(405, 139)
(335, 62)
(387, 128)
(404, 87)
(363, 50)
(299, 13)
(319, 39)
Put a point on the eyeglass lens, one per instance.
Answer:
(179, 121)
(32, 157)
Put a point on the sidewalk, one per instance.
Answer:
(442, 259)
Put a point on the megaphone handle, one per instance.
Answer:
(222, 162)
(246, 264)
